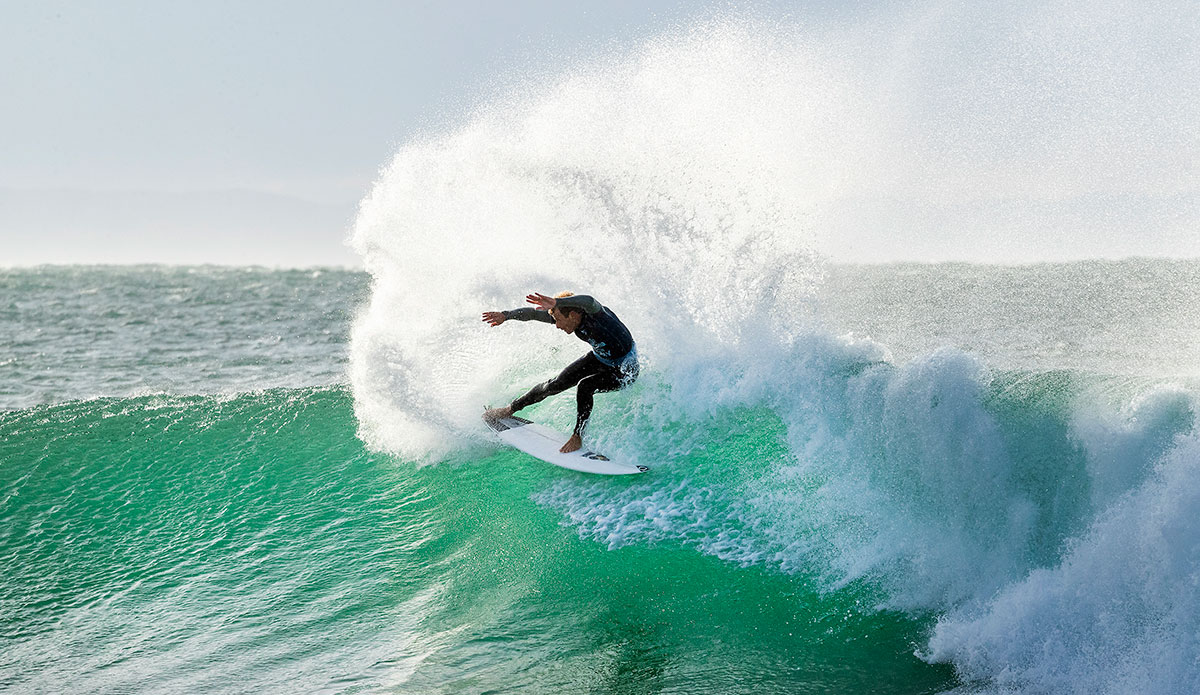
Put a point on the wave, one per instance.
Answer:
(201, 543)
(1116, 614)
(1041, 524)
(1056, 539)
(688, 186)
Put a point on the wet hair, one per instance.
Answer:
(569, 309)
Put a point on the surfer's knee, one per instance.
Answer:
(586, 387)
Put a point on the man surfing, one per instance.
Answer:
(611, 365)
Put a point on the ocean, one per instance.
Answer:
(961, 478)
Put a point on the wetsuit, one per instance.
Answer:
(611, 365)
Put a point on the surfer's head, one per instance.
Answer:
(566, 320)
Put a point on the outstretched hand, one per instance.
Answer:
(493, 318)
(542, 301)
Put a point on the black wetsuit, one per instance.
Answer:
(611, 365)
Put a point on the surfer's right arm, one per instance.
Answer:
(528, 313)
(495, 318)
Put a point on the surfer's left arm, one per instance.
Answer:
(582, 302)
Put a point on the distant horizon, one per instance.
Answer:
(825, 261)
(124, 227)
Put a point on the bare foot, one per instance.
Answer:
(497, 413)
(573, 444)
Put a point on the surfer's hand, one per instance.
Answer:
(493, 318)
(542, 301)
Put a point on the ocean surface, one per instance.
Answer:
(957, 478)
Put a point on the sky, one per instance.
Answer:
(247, 132)
(278, 101)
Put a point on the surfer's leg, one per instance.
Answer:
(579, 369)
(609, 379)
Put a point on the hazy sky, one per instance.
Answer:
(302, 99)
(173, 131)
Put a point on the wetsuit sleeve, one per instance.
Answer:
(528, 313)
(580, 301)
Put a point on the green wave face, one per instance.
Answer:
(251, 544)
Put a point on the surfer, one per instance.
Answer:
(611, 365)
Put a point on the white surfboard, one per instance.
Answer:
(544, 443)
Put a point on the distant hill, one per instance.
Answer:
(236, 227)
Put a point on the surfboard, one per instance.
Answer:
(543, 443)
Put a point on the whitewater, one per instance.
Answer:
(912, 477)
